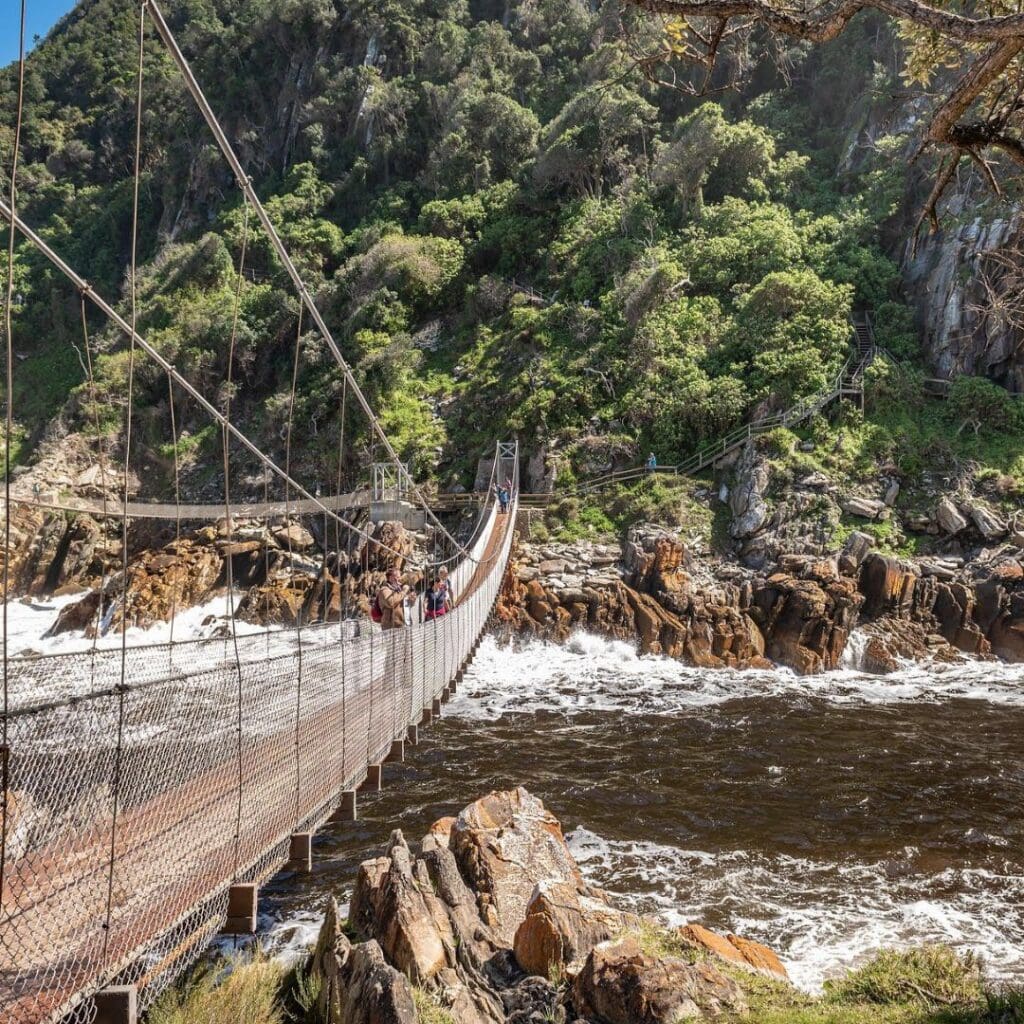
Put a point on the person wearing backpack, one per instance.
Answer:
(390, 602)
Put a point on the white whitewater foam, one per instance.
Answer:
(591, 674)
(29, 619)
(821, 918)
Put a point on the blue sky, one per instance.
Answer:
(40, 17)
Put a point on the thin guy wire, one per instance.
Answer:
(177, 498)
(86, 344)
(291, 561)
(229, 526)
(5, 754)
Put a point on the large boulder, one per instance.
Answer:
(987, 523)
(949, 517)
(746, 499)
(562, 925)
(405, 918)
(505, 843)
(887, 585)
(621, 984)
(735, 950)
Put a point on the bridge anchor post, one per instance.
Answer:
(374, 774)
(241, 918)
(300, 852)
(117, 1004)
(347, 809)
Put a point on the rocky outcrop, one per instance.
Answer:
(160, 583)
(746, 499)
(356, 984)
(621, 984)
(673, 606)
(717, 614)
(735, 950)
(491, 909)
(963, 331)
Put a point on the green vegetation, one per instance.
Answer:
(240, 991)
(924, 985)
(508, 228)
(427, 1009)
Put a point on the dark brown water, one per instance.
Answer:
(827, 816)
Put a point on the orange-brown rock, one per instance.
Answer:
(562, 925)
(620, 984)
(161, 583)
(734, 949)
(505, 843)
(758, 956)
(389, 905)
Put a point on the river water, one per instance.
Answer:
(826, 816)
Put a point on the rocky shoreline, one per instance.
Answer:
(490, 921)
(800, 612)
(783, 595)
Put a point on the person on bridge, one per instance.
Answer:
(446, 583)
(435, 600)
(652, 463)
(391, 599)
(503, 498)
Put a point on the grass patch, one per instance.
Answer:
(427, 1009)
(925, 985)
(928, 974)
(657, 941)
(235, 991)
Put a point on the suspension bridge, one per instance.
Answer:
(148, 792)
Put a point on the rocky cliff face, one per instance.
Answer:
(492, 921)
(800, 614)
(961, 282)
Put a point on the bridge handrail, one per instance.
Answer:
(140, 808)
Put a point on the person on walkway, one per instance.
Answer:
(435, 600)
(446, 583)
(503, 497)
(391, 598)
(652, 463)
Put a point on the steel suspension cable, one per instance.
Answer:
(133, 300)
(83, 285)
(87, 345)
(245, 183)
(177, 500)
(5, 753)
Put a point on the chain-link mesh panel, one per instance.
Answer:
(132, 808)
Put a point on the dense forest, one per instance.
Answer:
(509, 228)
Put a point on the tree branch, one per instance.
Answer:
(825, 24)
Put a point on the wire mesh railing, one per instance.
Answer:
(133, 808)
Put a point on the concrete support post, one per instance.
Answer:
(117, 1004)
(300, 852)
(241, 909)
(397, 752)
(347, 809)
(374, 774)
(413, 735)
(436, 707)
(428, 716)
